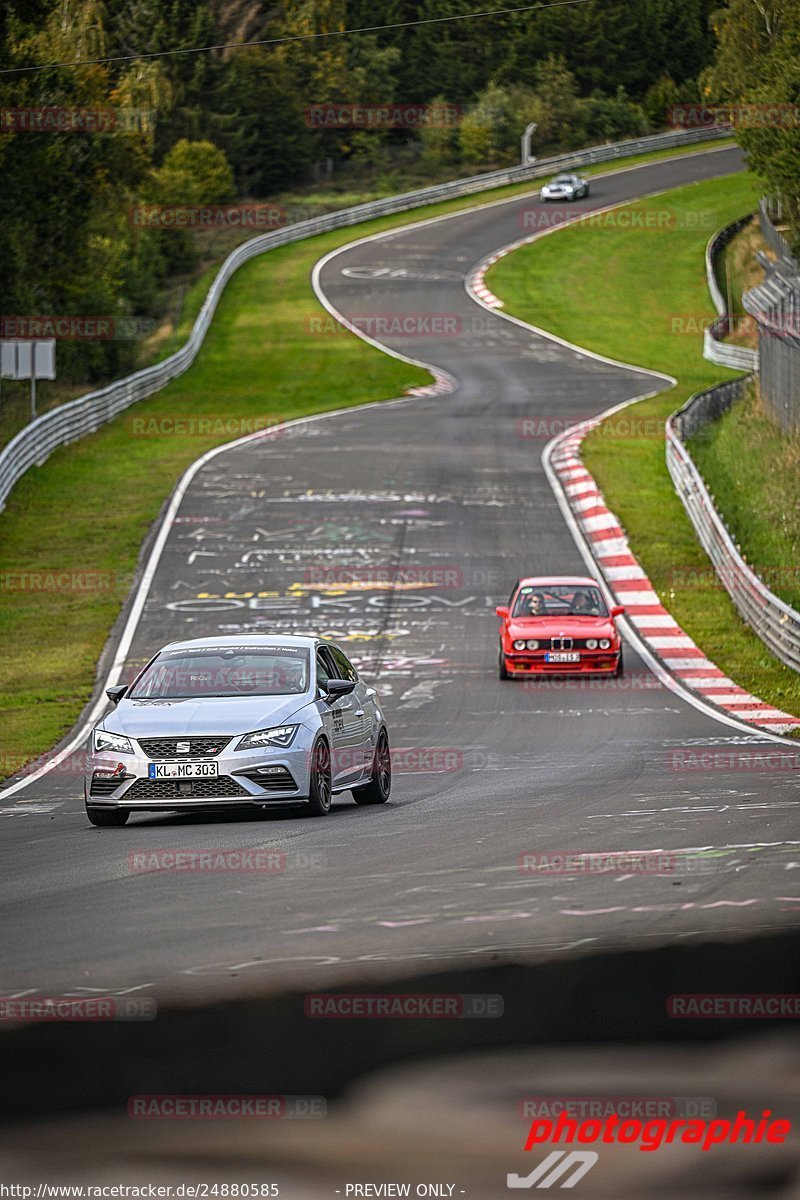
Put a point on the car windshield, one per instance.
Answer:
(559, 600)
(563, 179)
(223, 671)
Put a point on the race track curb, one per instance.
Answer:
(630, 586)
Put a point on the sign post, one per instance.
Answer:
(28, 360)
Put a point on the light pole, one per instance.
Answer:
(527, 157)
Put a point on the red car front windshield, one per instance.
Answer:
(562, 600)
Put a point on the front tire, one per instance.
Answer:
(319, 787)
(502, 669)
(380, 784)
(620, 667)
(107, 818)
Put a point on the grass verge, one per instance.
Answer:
(738, 270)
(753, 471)
(553, 284)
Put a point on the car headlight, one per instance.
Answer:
(532, 644)
(591, 643)
(519, 645)
(112, 741)
(605, 644)
(279, 735)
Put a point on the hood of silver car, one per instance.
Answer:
(208, 715)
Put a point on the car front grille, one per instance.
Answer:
(199, 747)
(568, 643)
(276, 781)
(185, 789)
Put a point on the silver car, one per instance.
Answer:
(247, 722)
(565, 187)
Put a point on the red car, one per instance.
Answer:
(558, 625)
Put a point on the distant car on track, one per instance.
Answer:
(243, 721)
(558, 625)
(565, 187)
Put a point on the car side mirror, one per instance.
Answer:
(337, 688)
(501, 611)
(618, 610)
(116, 693)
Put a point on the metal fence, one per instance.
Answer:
(775, 305)
(740, 358)
(771, 618)
(65, 424)
(770, 212)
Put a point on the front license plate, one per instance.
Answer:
(562, 658)
(182, 770)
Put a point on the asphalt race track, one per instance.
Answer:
(443, 483)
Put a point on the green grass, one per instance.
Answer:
(631, 295)
(90, 506)
(753, 471)
(737, 271)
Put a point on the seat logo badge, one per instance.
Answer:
(183, 747)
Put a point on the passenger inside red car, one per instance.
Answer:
(584, 604)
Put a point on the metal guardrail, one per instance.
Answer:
(740, 358)
(771, 618)
(33, 444)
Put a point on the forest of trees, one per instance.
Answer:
(231, 123)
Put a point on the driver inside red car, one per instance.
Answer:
(584, 605)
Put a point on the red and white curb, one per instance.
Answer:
(441, 385)
(630, 586)
(476, 283)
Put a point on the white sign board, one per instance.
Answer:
(28, 360)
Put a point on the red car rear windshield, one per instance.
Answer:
(561, 600)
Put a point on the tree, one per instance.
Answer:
(485, 132)
(757, 69)
(266, 136)
(440, 137)
(557, 110)
(659, 101)
(194, 173)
